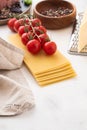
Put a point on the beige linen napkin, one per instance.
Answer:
(15, 94)
(10, 56)
(14, 99)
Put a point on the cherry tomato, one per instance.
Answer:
(36, 22)
(43, 38)
(27, 37)
(40, 30)
(27, 21)
(30, 35)
(33, 46)
(18, 23)
(11, 23)
(50, 47)
(23, 29)
(24, 38)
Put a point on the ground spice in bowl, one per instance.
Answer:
(60, 11)
(55, 14)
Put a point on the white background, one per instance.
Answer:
(60, 106)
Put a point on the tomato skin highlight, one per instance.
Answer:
(33, 46)
(50, 47)
(11, 24)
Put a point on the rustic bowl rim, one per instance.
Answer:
(39, 14)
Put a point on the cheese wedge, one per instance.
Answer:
(82, 39)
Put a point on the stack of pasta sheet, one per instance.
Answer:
(45, 69)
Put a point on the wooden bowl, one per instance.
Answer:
(55, 22)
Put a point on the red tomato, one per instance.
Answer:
(36, 22)
(18, 23)
(33, 46)
(43, 38)
(30, 35)
(27, 21)
(27, 37)
(23, 29)
(50, 47)
(29, 27)
(11, 23)
(40, 30)
(24, 38)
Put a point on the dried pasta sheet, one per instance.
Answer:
(45, 69)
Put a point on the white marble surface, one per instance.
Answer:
(60, 106)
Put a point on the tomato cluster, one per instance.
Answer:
(33, 35)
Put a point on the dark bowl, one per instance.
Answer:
(25, 10)
(51, 22)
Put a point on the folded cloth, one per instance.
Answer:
(15, 94)
(11, 57)
(14, 99)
